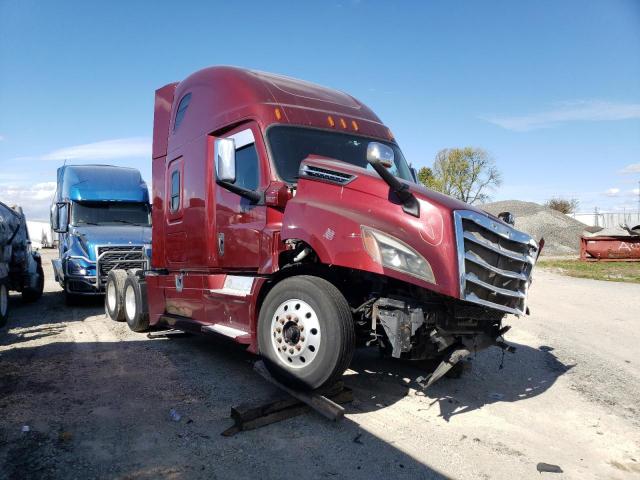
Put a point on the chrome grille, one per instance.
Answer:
(325, 175)
(495, 262)
(120, 256)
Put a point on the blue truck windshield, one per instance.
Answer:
(291, 145)
(108, 213)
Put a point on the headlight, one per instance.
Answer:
(75, 268)
(392, 253)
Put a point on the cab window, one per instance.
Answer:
(175, 191)
(182, 109)
(247, 167)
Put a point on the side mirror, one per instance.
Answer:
(379, 152)
(225, 155)
(60, 217)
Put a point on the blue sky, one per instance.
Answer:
(550, 88)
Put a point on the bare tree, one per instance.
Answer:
(468, 174)
(563, 205)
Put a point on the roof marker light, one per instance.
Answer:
(354, 124)
(330, 121)
(343, 123)
(278, 114)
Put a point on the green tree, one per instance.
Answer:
(426, 177)
(468, 174)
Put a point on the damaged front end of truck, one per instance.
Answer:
(427, 277)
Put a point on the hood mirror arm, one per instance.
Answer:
(252, 195)
(410, 204)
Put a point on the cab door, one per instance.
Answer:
(239, 222)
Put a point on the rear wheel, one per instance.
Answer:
(305, 332)
(113, 297)
(135, 303)
(4, 303)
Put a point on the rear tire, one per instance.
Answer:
(135, 303)
(306, 333)
(32, 294)
(114, 295)
(4, 303)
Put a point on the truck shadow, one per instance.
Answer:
(94, 411)
(526, 373)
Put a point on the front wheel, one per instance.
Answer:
(305, 332)
(4, 303)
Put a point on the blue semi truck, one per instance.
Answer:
(103, 217)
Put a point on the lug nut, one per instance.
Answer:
(298, 347)
(278, 329)
(282, 321)
(279, 339)
(301, 327)
(291, 350)
(302, 339)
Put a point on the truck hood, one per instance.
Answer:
(335, 200)
(88, 237)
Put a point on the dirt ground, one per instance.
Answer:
(96, 398)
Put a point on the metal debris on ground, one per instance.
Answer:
(548, 468)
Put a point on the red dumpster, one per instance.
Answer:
(610, 248)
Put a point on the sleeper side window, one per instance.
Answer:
(175, 191)
(182, 109)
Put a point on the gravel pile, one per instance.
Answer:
(561, 233)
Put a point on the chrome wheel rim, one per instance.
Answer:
(4, 300)
(130, 302)
(111, 297)
(295, 333)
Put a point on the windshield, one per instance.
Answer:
(291, 145)
(108, 213)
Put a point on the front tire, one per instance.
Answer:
(135, 303)
(306, 332)
(4, 303)
(113, 295)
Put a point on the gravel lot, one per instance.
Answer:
(96, 398)
(560, 232)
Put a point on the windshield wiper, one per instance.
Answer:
(84, 222)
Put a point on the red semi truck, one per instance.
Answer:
(286, 217)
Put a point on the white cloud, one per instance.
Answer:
(104, 150)
(579, 111)
(34, 199)
(632, 168)
(612, 192)
(2, 138)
